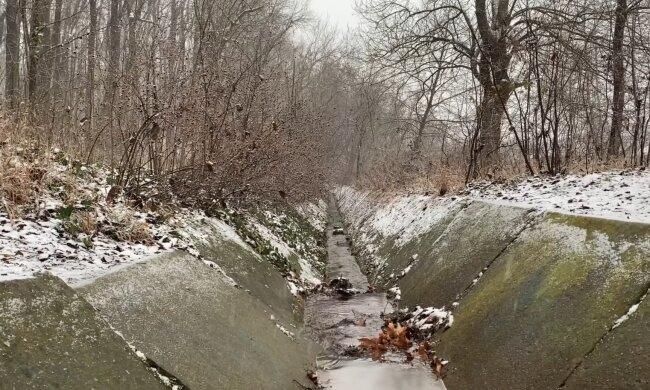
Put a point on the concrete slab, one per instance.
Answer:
(398, 253)
(187, 318)
(51, 338)
(253, 273)
(448, 265)
(622, 360)
(545, 302)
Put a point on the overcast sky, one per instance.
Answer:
(338, 12)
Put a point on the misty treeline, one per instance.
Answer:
(222, 98)
(508, 87)
(215, 98)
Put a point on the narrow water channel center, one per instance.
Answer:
(338, 323)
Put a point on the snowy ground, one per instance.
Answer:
(31, 246)
(615, 195)
(44, 238)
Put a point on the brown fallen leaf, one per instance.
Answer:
(378, 352)
(423, 350)
(367, 343)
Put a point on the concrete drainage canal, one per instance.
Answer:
(364, 345)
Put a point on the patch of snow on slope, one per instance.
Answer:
(410, 216)
(197, 226)
(626, 316)
(316, 213)
(405, 216)
(614, 195)
(275, 241)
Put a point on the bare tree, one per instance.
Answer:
(12, 53)
(618, 76)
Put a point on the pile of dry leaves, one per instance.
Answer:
(397, 338)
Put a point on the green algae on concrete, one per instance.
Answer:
(622, 360)
(545, 302)
(473, 239)
(51, 338)
(192, 322)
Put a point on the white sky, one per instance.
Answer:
(340, 13)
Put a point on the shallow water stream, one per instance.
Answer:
(338, 322)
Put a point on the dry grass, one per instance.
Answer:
(128, 227)
(23, 177)
(84, 222)
(388, 179)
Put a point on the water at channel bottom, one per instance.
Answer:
(365, 374)
(338, 322)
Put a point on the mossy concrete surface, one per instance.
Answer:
(254, 274)
(470, 242)
(545, 302)
(622, 360)
(192, 322)
(51, 338)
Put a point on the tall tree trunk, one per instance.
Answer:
(38, 75)
(56, 62)
(618, 75)
(90, 82)
(492, 73)
(3, 19)
(12, 53)
(416, 148)
(135, 12)
(114, 37)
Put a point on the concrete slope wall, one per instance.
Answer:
(223, 317)
(51, 338)
(545, 302)
(253, 274)
(386, 236)
(194, 323)
(469, 244)
(538, 295)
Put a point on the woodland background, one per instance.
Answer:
(221, 99)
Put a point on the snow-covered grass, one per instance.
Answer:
(316, 213)
(68, 226)
(69, 229)
(623, 195)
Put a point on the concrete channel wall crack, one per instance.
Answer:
(168, 379)
(630, 311)
(532, 218)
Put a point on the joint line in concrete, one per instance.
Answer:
(531, 222)
(611, 328)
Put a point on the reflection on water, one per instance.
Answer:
(334, 321)
(362, 374)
